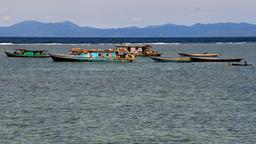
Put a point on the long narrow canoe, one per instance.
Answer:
(240, 64)
(181, 59)
(200, 54)
(201, 59)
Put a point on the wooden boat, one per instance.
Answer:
(240, 64)
(140, 50)
(200, 54)
(28, 53)
(181, 59)
(203, 59)
(80, 55)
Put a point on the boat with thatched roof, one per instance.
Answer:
(140, 50)
(94, 55)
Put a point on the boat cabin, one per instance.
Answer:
(94, 55)
(140, 50)
(98, 53)
(30, 52)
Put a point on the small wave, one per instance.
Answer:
(82, 44)
(43, 44)
(175, 43)
(153, 43)
(86, 44)
(6, 43)
(102, 44)
(47, 44)
(161, 43)
(238, 43)
(30, 43)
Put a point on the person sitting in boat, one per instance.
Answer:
(18, 51)
(245, 62)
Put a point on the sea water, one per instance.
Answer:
(42, 101)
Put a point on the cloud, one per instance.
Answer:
(197, 9)
(6, 18)
(136, 20)
(3, 10)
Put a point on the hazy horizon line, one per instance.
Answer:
(149, 25)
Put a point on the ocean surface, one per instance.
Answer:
(42, 101)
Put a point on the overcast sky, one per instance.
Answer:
(122, 13)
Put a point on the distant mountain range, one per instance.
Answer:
(69, 29)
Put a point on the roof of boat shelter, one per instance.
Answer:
(30, 50)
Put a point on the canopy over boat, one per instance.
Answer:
(139, 50)
(28, 53)
(26, 50)
(94, 55)
(147, 46)
(80, 50)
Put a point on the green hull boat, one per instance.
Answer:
(28, 53)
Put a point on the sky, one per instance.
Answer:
(125, 13)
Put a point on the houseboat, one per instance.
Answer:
(140, 50)
(81, 55)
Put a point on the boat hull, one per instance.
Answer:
(9, 54)
(234, 64)
(70, 58)
(199, 59)
(149, 55)
(199, 55)
(182, 60)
